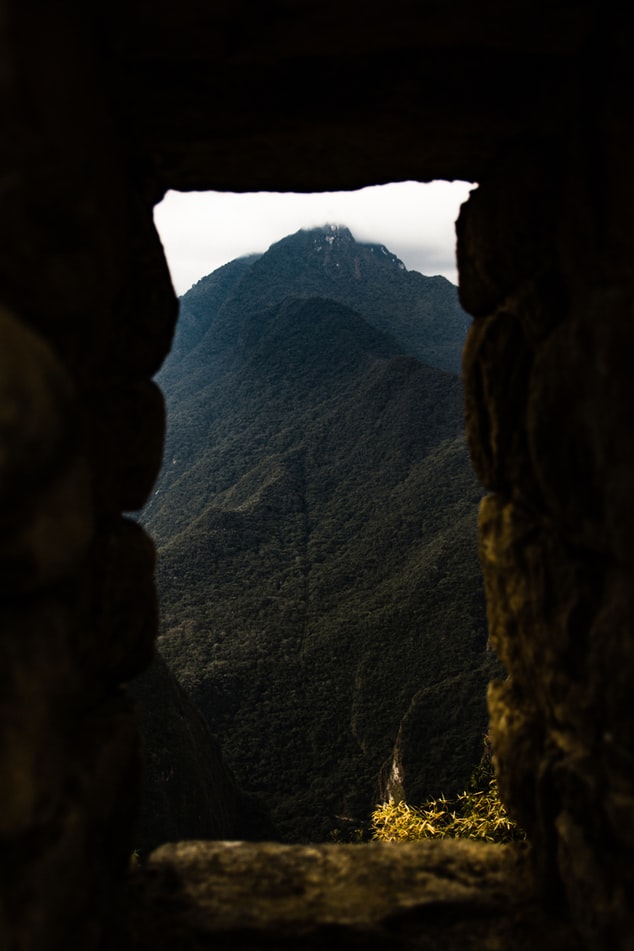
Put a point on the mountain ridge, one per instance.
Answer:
(316, 526)
(327, 263)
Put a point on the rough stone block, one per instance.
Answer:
(124, 426)
(37, 668)
(412, 897)
(506, 230)
(36, 422)
(496, 366)
(146, 309)
(124, 603)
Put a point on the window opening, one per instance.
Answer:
(315, 516)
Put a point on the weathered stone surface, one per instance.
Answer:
(45, 491)
(123, 603)
(123, 428)
(565, 455)
(36, 667)
(579, 406)
(67, 784)
(554, 557)
(542, 596)
(349, 91)
(145, 308)
(426, 896)
(188, 791)
(80, 846)
(46, 541)
(496, 365)
(506, 232)
(35, 400)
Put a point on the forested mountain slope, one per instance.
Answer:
(316, 527)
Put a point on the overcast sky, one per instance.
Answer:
(201, 231)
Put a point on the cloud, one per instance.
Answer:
(201, 231)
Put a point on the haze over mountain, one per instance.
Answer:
(316, 525)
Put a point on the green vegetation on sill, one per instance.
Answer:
(477, 813)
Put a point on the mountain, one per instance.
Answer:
(316, 525)
(422, 313)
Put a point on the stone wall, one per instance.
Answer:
(545, 266)
(86, 319)
(105, 108)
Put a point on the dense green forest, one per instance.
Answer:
(316, 524)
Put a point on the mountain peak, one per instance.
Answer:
(333, 246)
(331, 233)
(422, 314)
(322, 236)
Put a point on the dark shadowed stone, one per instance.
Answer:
(89, 848)
(506, 234)
(146, 307)
(542, 596)
(558, 626)
(560, 426)
(607, 643)
(425, 896)
(124, 602)
(496, 364)
(45, 490)
(540, 304)
(67, 787)
(124, 426)
(581, 393)
(34, 743)
(36, 396)
(46, 541)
